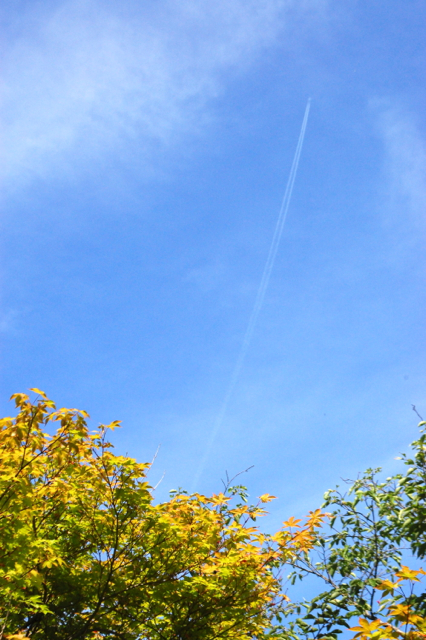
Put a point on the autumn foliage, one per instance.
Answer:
(86, 553)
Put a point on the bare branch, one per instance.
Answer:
(416, 412)
(230, 481)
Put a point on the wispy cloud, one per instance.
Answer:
(404, 169)
(8, 321)
(82, 79)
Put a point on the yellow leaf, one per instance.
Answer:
(316, 517)
(403, 613)
(20, 398)
(219, 498)
(266, 497)
(387, 585)
(367, 628)
(39, 392)
(409, 574)
(292, 522)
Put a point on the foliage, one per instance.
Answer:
(358, 557)
(86, 553)
(412, 519)
(398, 616)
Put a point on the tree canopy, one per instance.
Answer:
(375, 529)
(86, 552)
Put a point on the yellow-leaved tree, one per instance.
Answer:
(86, 553)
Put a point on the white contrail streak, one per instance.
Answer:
(259, 297)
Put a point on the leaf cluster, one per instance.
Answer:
(358, 556)
(86, 553)
(412, 518)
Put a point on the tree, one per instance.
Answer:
(86, 553)
(358, 556)
(411, 521)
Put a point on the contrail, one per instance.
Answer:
(259, 297)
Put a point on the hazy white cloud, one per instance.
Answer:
(404, 168)
(83, 78)
(8, 320)
(207, 277)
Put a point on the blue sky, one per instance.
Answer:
(146, 148)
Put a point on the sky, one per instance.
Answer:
(145, 151)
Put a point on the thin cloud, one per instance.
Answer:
(8, 320)
(404, 169)
(84, 79)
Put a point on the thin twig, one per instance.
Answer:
(416, 412)
(229, 481)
